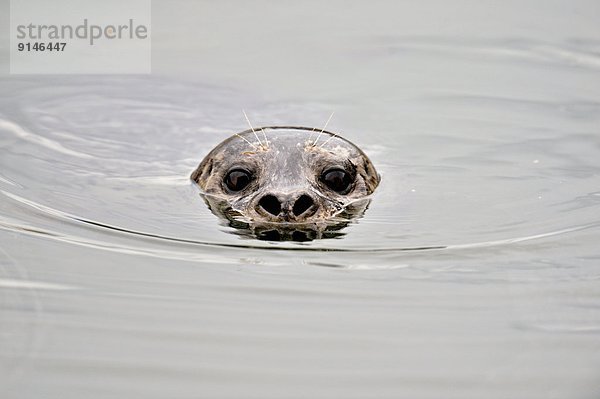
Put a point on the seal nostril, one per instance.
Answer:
(271, 204)
(302, 204)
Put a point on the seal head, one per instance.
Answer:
(287, 182)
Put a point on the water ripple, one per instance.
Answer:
(21, 227)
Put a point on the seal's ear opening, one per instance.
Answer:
(369, 175)
(203, 171)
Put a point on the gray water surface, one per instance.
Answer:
(473, 274)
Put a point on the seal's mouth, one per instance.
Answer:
(298, 231)
(315, 227)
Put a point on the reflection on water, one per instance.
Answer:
(474, 272)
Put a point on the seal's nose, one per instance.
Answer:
(302, 205)
(288, 206)
(271, 204)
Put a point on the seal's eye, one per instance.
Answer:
(237, 179)
(337, 179)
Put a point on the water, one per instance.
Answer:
(474, 273)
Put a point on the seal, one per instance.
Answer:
(287, 182)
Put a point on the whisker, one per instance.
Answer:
(264, 134)
(249, 124)
(348, 203)
(326, 141)
(247, 141)
(311, 133)
(324, 127)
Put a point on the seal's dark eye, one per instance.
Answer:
(237, 179)
(337, 179)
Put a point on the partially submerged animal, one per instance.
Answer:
(287, 182)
